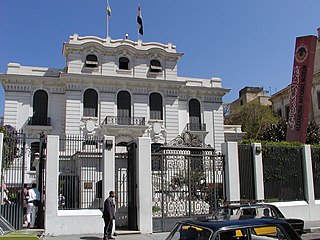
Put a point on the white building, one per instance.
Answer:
(119, 89)
(107, 80)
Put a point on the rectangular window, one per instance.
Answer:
(279, 112)
(318, 98)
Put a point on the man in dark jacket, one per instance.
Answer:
(109, 215)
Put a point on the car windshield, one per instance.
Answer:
(257, 211)
(184, 231)
(5, 226)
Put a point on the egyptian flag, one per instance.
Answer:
(139, 21)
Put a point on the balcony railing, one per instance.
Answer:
(90, 112)
(136, 121)
(196, 127)
(32, 121)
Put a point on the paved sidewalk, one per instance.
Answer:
(312, 226)
(154, 236)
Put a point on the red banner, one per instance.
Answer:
(300, 90)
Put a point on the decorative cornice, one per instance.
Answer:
(108, 46)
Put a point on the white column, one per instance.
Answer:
(231, 171)
(52, 174)
(258, 171)
(108, 166)
(144, 185)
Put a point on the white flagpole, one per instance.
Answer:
(107, 18)
(137, 21)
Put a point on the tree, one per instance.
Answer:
(313, 133)
(275, 132)
(253, 117)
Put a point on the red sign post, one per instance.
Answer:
(300, 90)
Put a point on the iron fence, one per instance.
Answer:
(283, 178)
(246, 173)
(80, 173)
(315, 157)
(20, 166)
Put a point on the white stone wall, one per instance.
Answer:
(74, 112)
(11, 111)
(172, 117)
(140, 105)
(183, 114)
(218, 127)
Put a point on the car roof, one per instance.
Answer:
(247, 205)
(235, 223)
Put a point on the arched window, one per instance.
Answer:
(155, 102)
(40, 108)
(194, 115)
(90, 103)
(91, 61)
(155, 66)
(124, 63)
(124, 108)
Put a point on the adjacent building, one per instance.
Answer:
(248, 94)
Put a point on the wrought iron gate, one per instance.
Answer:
(126, 217)
(22, 164)
(187, 182)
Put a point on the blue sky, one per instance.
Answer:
(244, 42)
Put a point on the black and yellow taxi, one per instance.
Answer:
(233, 229)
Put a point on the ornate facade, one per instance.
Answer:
(111, 87)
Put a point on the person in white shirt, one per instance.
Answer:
(33, 197)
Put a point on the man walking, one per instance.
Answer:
(33, 200)
(108, 215)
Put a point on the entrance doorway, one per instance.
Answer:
(125, 182)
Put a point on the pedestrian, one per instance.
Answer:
(25, 203)
(108, 215)
(5, 192)
(33, 201)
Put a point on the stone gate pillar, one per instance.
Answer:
(231, 170)
(108, 166)
(144, 185)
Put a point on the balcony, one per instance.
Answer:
(198, 129)
(195, 127)
(38, 124)
(131, 126)
(39, 121)
(136, 121)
